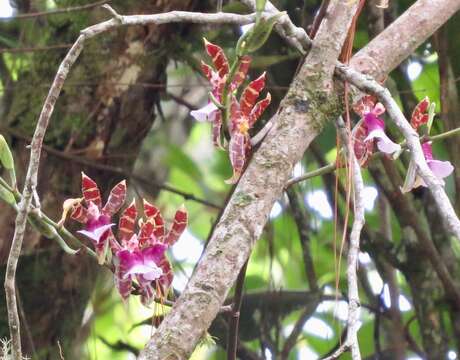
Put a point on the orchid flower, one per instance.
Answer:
(440, 169)
(141, 257)
(243, 115)
(96, 219)
(370, 130)
(217, 77)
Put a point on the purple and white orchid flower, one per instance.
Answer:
(376, 130)
(142, 263)
(97, 224)
(440, 169)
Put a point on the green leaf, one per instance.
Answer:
(6, 157)
(7, 196)
(253, 39)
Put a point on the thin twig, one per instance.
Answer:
(232, 340)
(351, 342)
(369, 85)
(56, 11)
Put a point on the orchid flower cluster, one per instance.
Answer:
(440, 169)
(370, 132)
(243, 114)
(138, 257)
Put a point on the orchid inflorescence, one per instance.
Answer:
(138, 257)
(370, 131)
(242, 114)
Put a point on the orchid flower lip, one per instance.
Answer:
(206, 113)
(97, 233)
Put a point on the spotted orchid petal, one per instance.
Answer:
(206, 113)
(116, 199)
(420, 115)
(258, 109)
(237, 148)
(127, 222)
(251, 93)
(364, 105)
(242, 71)
(218, 58)
(178, 226)
(153, 214)
(90, 190)
(363, 149)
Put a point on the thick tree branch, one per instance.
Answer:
(310, 102)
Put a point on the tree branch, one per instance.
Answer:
(309, 104)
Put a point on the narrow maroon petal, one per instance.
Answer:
(79, 213)
(146, 236)
(90, 190)
(218, 58)
(153, 214)
(363, 149)
(258, 109)
(237, 150)
(240, 75)
(251, 93)
(127, 222)
(178, 226)
(216, 129)
(207, 70)
(116, 199)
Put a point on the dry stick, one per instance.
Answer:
(232, 339)
(351, 342)
(368, 84)
(333, 166)
(30, 182)
(29, 188)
